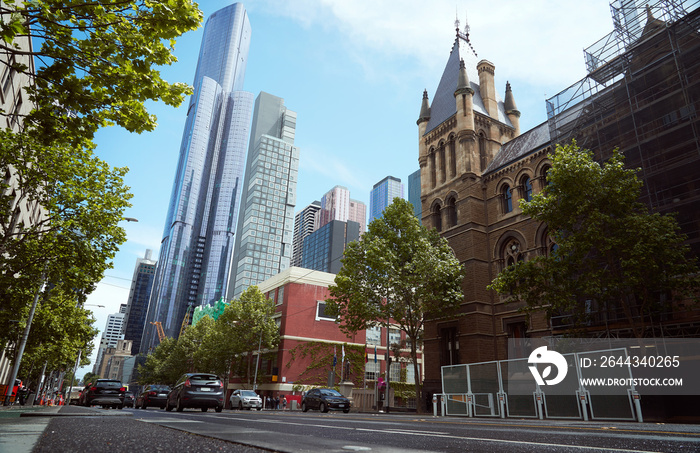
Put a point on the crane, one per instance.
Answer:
(159, 329)
(186, 320)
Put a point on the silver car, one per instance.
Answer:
(245, 399)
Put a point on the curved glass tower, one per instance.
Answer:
(197, 243)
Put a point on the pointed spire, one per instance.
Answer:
(463, 81)
(509, 103)
(424, 109)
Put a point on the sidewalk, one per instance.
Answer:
(22, 426)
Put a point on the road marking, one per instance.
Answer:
(443, 436)
(168, 420)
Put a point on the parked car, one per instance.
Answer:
(325, 400)
(198, 390)
(152, 395)
(106, 393)
(128, 399)
(245, 399)
(74, 397)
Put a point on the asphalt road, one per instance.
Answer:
(193, 430)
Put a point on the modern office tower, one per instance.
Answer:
(305, 222)
(383, 194)
(323, 249)
(414, 192)
(137, 306)
(266, 224)
(199, 229)
(110, 336)
(337, 205)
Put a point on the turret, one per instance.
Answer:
(464, 95)
(487, 87)
(512, 110)
(422, 122)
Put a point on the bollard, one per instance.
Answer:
(434, 405)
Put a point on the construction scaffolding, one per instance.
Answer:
(641, 95)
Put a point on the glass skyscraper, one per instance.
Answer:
(383, 194)
(266, 224)
(137, 306)
(414, 192)
(198, 238)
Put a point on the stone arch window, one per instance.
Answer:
(507, 199)
(436, 214)
(453, 156)
(451, 212)
(543, 176)
(526, 184)
(431, 165)
(512, 252)
(441, 157)
(483, 158)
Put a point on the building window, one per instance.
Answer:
(371, 370)
(507, 199)
(321, 312)
(437, 219)
(449, 346)
(451, 213)
(431, 164)
(483, 158)
(527, 188)
(512, 253)
(373, 335)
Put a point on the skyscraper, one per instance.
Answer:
(137, 306)
(414, 192)
(383, 194)
(336, 204)
(266, 225)
(199, 229)
(324, 248)
(110, 336)
(305, 222)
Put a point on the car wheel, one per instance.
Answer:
(304, 407)
(180, 407)
(345, 411)
(204, 409)
(168, 407)
(121, 406)
(219, 408)
(259, 408)
(143, 406)
(240, 406)
(322, 407)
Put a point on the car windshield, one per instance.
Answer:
(108, 384)
(159, 387)
(248, 393)
(203, 377)
(330, 392)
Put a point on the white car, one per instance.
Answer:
(245, 399)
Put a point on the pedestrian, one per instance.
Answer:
(284, 403)
(277, 402)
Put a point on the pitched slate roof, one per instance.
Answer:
(524, 144)
(443, 104)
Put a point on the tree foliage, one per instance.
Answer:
(610, 250)
(398, 270)
(95, 64)
(212, 346)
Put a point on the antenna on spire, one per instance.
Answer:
(456, 19)
(466, 25)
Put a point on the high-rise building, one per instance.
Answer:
(336, 204)
(323, 249)
(266, 225)
(199, 229)
(414, 192)
(305, 222)
(110, 336)
(383, 194)
(137, 306)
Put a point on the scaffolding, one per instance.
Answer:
(642, 95)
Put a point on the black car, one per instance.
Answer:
(152, 395)
(106, 393)
(325, 400)
(128, 399)
(198, 390)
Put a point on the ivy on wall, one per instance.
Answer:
(320, 357)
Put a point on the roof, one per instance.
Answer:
(443, 104)
(520, 146)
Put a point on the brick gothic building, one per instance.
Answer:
(641, 95)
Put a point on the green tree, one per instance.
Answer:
(96, 65)
(610, 249)
(157, 368)
(90, 377)
(398, 270)
(246, 325)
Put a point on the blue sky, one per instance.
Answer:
(354, 71)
